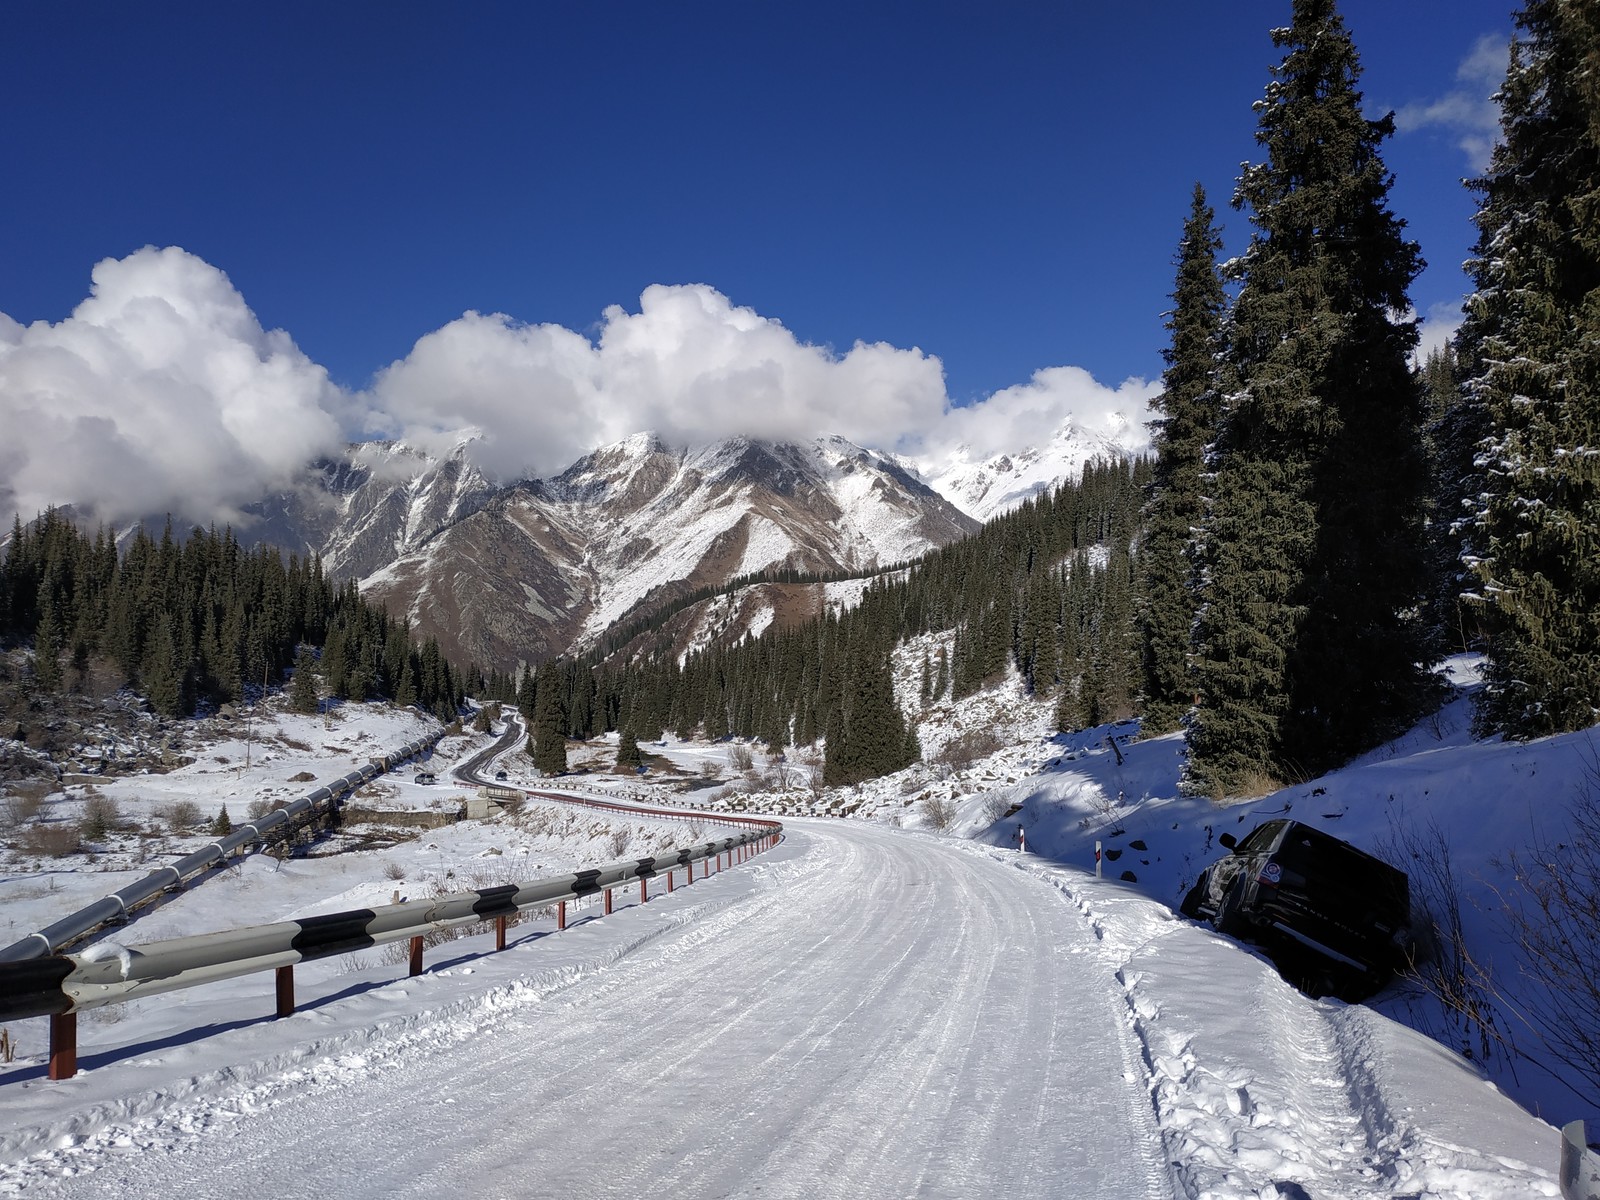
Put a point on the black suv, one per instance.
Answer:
(1297, 889)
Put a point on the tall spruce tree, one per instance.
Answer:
(303, 688)
(628, 756)
(1311, 645)
(1186, 421)
(550, 725)
(1530, 351)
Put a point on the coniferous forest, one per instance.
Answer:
(197, 621)
(1322, 520)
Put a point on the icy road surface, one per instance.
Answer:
(860, 1012)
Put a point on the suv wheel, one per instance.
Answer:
(1191, 900)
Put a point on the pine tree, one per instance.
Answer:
(1530, 352)
(303, 690)
(1311, 645)
(47, 645)
(628, 756)
(223, 825)
(1187, 417)
(163, 678)
(549, 726)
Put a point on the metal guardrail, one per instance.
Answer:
(1580, 1166)
(120, 903)
(61, 985)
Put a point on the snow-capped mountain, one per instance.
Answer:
(516, 574)
(984, 488)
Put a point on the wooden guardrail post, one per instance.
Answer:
(63, 1045)
(416, 955)
(561, 914)
(499, 933)
(607, 895)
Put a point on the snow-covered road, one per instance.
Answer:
(877, 1015)
(861, 1011)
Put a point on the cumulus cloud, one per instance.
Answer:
(693, 367)
(689, 365)
(1029, 414)
(1468, 110)
(160, 393)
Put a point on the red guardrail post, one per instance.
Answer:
(63, 1045)
(561, 914)
(669, 882)
(416, 955)
(284, 983)
(499, 933)
(644, 890)
(608, 902)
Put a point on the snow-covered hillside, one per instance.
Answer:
(901, 1003)
(986, 487)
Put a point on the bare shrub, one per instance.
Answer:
(100, 817)
(995, 807)
(181, 815)
(22, 802)
(1552, 917)
(1439, 959)
(962, 751)
(939, 812)
(512, 805)
(50, 841)
(621, 838)
(740, 758)
(393, 870)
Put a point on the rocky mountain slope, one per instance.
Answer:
(987, 487)
(513, 575)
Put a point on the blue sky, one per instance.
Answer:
(997, 185)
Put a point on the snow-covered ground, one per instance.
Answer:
(872, 1007)
(862, 1011)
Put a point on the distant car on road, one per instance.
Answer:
(424, 777)
(499, 776)
(1339, 915)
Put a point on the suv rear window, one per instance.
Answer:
(1306, 848)
(1260, 838)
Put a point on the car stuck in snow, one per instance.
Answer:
(1337, 918)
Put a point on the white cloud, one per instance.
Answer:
(160, 393)
(1438, 326)
(689, 365)
(1468, 110)
(1029, 414)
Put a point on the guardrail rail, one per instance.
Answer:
(116, 907)
(59, 986)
